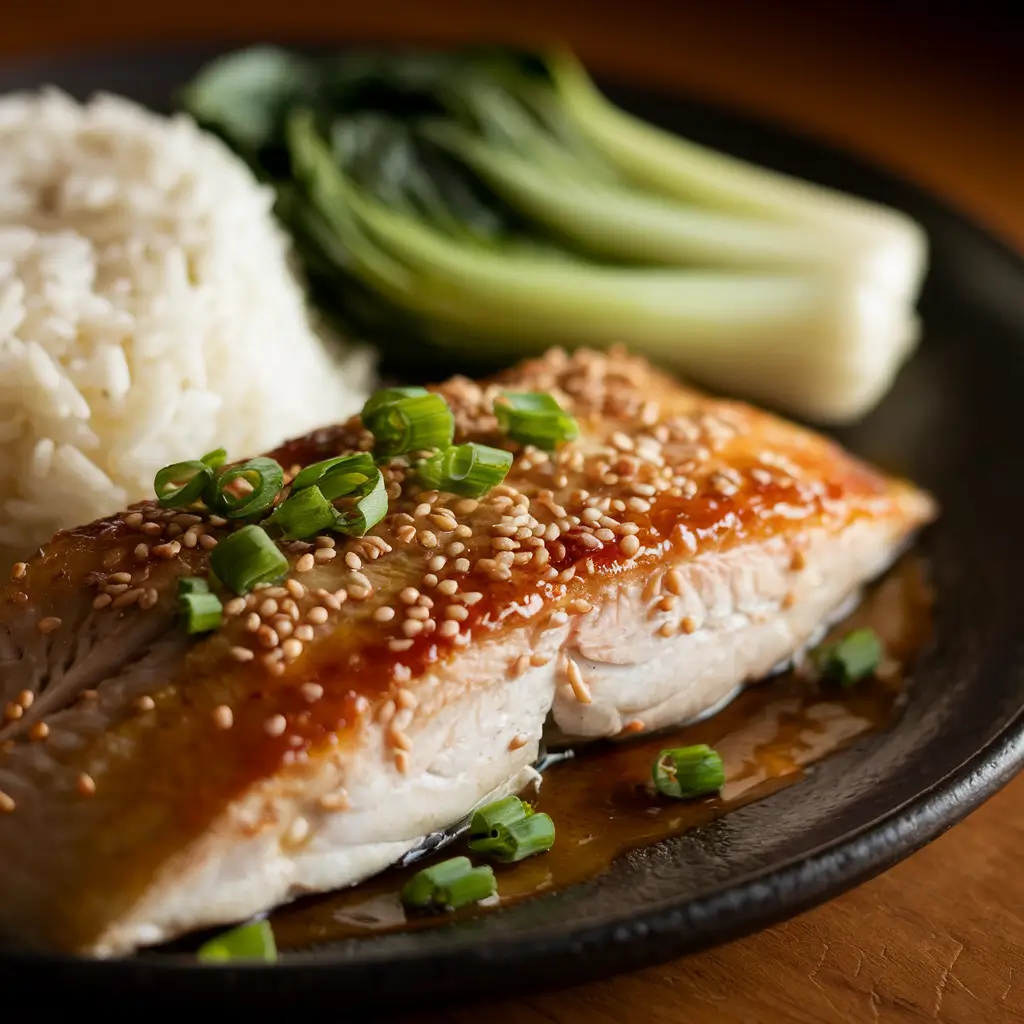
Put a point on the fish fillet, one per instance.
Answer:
(153, 783)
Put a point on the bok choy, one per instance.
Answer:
(485, 204)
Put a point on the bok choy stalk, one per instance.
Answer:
(487, 204)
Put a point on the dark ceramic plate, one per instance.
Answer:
(951, 423)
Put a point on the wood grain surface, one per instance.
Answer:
(934, 92)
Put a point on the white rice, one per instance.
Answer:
(148, 312)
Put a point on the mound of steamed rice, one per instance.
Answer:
(148, 312)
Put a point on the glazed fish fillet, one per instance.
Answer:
(152, 783)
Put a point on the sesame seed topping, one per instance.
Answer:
(674, 582)
(399, 739)
(292, 648)
(311, 692)
(207, 541)
(402, 761)
(325, 555)
(19, 571)
(630, 545)
(518, 741)
(101, 601)
(13, 712)
(399, 645)
(305, 563)
(223, 717)
(449, 628)
(145, 704)
(39, 731)
(667, 629)
(384, 614)
(142, 552)
(304, 633)
(323, 541)
(267, 636)
(317, 615)
(335, 801)
(352, 560)
(48, 624)
(86, 784)
(409, 595)
(275, 726)
(579, 686)
(633, 725)
(7, 804)
(687, 624)
(412, 627)
(296, 589)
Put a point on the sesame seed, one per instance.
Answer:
(151, 529)
(168, 550)
(133, 519)
(629, 545)
(412, 627)
(13, 712)
(538, 660)
(581, 606)
(455, 548)
(674, 582)
(101, 601)
(667, 629)
(207, 541)
(115, 588)
(449, 628)
(427, 539)
(579, 686)
(409, 595)
(466, 506)
(223, 717)
(333, 602)
(448, 587)
(335, 801)
(422, 509)
(455, 611)
(399, 645)
(463, 532)
(558, 618)
(400, 739)
(518, 741)
(461, 565)
(145, 704)
(591, 515)
(305, 563)
(361, 580)
(39, 731)
(311, 692)
(268, 608)
(386, 712)
(304, 633)
(86, 784)
(48, 624)
(418, 612)
(267, 636)
(567, 574)
(325, 542)
(687, 624)
(634, 725)
(317, 615)
(352, 560)
(7, 803)
(295, 588)
(19, 571)
(324, 555)
(406, 534)
(471, 598)
(275, 726)
(384, 614)
(149, 598)
(292, 648)
(799, 561)
(402, 761)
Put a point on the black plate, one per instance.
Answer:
(952, 423)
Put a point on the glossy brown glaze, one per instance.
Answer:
(602, 801)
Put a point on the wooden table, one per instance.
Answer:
(936, 97)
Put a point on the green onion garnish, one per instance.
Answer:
(181, 484)
(501, 812)
(450, 884)
(365, 512)
(688, 772)
(467, 469)
(192, 585)
(243, 559)
(248, 942)
(266, 478)
(387, 396)
(853, 658)
(304, 514)
(215, 459)
(201, 612)
(410, 424)
(517, 840)
(337, 477)
(534, 418)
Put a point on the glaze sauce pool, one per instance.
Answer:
(601, 800)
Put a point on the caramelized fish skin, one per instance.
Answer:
(152, 783)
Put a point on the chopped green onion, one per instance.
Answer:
(337, 477)
(303, 515)
(181, 484)
(201, 612)
(215, 459)
(248, 942)
(535, 418)
(192, 585)
(387, 396)
(266, 478)
(410, 424)
(367, 511)
(688, 772)
(517, 840)
(501, 812)
(853, 658)
(450, 884)
(467, 469)
(243, 559)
